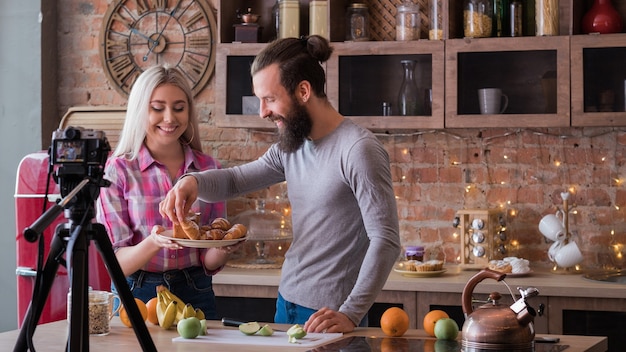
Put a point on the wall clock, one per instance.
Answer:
(137, 34)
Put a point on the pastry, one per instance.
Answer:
(501, 266)
(221, 223)
(235, 232)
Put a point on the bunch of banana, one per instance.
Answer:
(171, 309)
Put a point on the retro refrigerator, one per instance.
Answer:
(30, 190)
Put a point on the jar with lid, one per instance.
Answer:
(288, 18)
(357, 22)
(407, 21)
(414, 253)
(516, 19)
(477, 18)
(435, 15)
(546, 17)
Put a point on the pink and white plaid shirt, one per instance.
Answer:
(129, 208)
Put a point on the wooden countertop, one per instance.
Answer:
(452, 281)
(52, 337)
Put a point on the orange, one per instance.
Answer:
(394, 322)
(151, 306)
(431, 318)
(142, 308)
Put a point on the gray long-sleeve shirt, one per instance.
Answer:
(344, 216)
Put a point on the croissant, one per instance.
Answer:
(235, 232)
(221, 223)
(188, 228)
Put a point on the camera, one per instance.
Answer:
(78, 153)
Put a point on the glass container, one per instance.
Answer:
(500, 18)
(407, 21)
(477, 18)
(435, 15)
(409, 96)
(516, 19)
(289, 18)
(318, 23)
(546, 17)
(357, 22)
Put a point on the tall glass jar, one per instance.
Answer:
(516, 19)
(435, 32)
(407, 21)
(289, 17)
(357, 22)
(408, 97)
(547, 17)
(477, 18)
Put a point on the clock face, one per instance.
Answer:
(137, 34)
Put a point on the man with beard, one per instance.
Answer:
(344, 216)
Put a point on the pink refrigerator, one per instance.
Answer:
(30, 190)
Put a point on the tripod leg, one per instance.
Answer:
(77, 253)
(103, 244)
(57, 248)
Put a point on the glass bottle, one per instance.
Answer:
(407, 21)
(357, 22)
(435, 15)
(500, 18)
(546, 17)
(289, 17)
(477, 18)
(408, 97)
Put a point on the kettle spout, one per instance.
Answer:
(525, 314)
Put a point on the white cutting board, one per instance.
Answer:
(279, 338)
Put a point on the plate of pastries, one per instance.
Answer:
(219, 233)
(511, 266)
(416, 268)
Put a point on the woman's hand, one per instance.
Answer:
(179, 199)
(162, 241)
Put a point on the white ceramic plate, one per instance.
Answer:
(200, 243)
(419, 273)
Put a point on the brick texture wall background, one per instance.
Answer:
(436, 173)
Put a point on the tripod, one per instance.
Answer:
(73, 239)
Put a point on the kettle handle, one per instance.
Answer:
(466, 297)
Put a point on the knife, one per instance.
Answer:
(236, 323)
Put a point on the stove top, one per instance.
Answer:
(399, 344)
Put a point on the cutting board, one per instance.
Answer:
(279, 338)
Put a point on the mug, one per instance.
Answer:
(568, 255)
(100, 311)
(492, 101)
(552, 227)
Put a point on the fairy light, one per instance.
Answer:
(468, 188)
(506, 157)
(557, 163)
(455, 163)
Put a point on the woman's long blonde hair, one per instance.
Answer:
(137, 112)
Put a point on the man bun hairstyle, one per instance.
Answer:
(298, 59)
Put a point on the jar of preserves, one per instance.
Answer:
(477, 18)
(357, 22)
(408, 21)
(435, 14)
(414, 253)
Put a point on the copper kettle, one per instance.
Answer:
(494, 326)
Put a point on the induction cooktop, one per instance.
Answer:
(399, 344)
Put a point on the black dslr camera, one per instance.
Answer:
(78, 153)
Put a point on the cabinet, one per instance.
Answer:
(551, 81)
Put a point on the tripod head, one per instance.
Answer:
(79, 156)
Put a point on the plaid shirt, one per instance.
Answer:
(129, 208)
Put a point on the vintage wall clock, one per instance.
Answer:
(137, 34)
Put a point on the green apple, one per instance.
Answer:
(295, 332)
(249, 328)
(266, 330)
(189, 328)
(446, 329)
(203, 327)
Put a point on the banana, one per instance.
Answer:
(160, 309)
(199, 314)
(189, 311)
(169, 297)
(170, 315)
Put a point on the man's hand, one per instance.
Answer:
(179, 199)
(328, 320)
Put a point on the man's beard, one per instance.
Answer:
(297, 126)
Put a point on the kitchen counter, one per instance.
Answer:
(52, 337)
(557, 292)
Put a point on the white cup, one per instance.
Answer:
(492, 101)
(568, 255)
(552, 227)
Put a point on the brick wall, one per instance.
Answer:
(521, 171)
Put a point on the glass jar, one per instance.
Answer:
(407, 21)
(516, 18)
(289, 18)
(477, 18)
(357, 22)
(318, 23)
(546, 17)
(414, 253)
(500, 18)
(435, 32)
